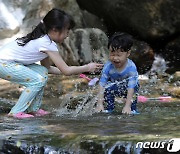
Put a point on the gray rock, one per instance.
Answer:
(84, 46)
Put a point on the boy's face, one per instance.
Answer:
(118, 58)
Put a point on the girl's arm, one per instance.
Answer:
(69, 70)
(51, 69)
(127, 107)
(100, 106)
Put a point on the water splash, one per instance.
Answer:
(77, 104)
(159, 67)
(124, 147)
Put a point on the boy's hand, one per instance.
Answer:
(99, 107)
(126, 109)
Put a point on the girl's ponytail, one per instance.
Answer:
(38, 31)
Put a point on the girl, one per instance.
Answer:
(17, 61)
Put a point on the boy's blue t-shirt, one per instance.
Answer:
(110, 74)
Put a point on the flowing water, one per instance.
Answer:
(74, 127)
(66, 132)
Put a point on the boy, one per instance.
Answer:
(119, 76)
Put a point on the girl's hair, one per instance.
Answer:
(122, 41)
(54, 19)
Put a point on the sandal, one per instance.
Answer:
(22, 115)
(41, 112)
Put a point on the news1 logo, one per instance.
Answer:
(173, 145)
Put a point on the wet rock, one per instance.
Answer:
(177, 76)
(174, 86)
(174, 78)
(174, 91)
(18, 147)
(5, 105)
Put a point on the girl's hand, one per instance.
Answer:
(126, 109)
(94, 67)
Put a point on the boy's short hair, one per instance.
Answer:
(120, 40)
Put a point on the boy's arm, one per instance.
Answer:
(133, 81)
(100, 106)
(127, 106)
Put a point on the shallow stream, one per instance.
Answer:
(96, 133)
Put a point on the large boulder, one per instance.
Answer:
(150, 20)
(85, 45)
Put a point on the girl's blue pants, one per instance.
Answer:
(34, 77)
(118, 90)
